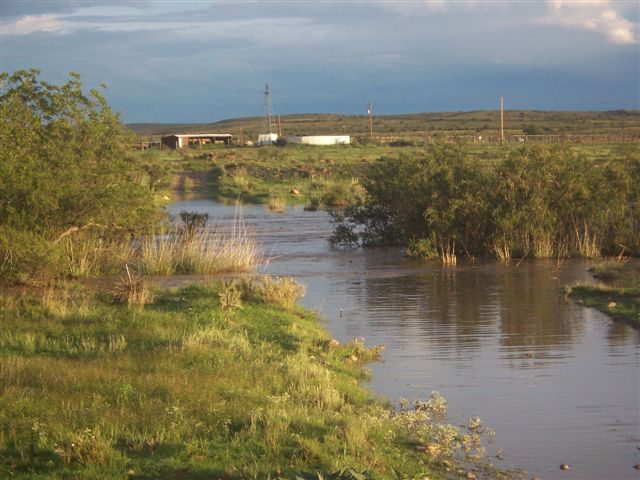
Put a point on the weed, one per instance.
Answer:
(202, 252)
(231, 296)
(132, 290)
(277, 204)
(284, 291)
(85, 447)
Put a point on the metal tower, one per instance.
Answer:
(268, 110)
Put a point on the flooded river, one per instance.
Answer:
(558, 382)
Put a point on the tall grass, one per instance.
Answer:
(203, 252)
(90, 254)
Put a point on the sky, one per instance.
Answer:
(204, 61)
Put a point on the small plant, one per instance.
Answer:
(283, 291)
(315, 204)
(357, 351)
(193, 222)
(277, 204)
(132, 290)
(86, 447)
(231, 296)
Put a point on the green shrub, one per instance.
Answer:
(65, 169)
(536, 202)
(24, 255)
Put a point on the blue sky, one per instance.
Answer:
(202, 61)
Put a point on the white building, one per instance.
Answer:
(267, 139)
(320, 139)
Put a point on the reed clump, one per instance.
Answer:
(201, 251)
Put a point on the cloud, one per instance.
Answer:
(417, 7)
(48, 22)
(267, 31)
(601, 16)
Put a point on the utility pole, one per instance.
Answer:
(370, 113)
(501, 120)
(279, 127)
(268, 110)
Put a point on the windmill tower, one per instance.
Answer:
(268, 122)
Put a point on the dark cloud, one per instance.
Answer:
(204, 61)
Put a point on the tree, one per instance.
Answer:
(64, 166)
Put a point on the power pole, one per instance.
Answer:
(501, 120)
(370, 113)
(268, 110)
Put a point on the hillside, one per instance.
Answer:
(617, 122)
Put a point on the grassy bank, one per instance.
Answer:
(618, 303)
(312, 175)
(227, 380)
(295, 174)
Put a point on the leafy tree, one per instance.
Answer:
(64, 166)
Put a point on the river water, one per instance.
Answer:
(558, 382)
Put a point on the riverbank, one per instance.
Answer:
(619, 303)
(209, 381)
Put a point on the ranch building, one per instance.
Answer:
(185, 139)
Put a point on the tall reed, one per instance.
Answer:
(203, 252)
(587, 244)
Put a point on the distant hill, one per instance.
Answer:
(481, 121)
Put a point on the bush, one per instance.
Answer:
(24, 255)
(537, 202)
(65, 168)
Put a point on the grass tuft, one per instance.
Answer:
(132, 290)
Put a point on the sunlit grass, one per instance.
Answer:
(204, 252)
(186, 389)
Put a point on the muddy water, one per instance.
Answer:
(558, 382)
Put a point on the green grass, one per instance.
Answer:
(608, 270)
(619, 303)
(181, 388)
(303, 174)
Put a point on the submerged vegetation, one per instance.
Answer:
(192, 387)
(537, 202)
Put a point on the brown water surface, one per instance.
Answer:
(558, 382)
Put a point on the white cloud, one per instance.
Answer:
(269, 31)
(49, 23)
(602, 16)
